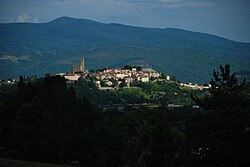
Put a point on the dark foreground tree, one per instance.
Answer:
(220, 135)
(225, 91)
(44, 122)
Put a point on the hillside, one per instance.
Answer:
(28, 48)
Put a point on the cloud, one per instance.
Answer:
(138, 4)
(174, 3)
(35, 20)
(24, 17)
(15, 59)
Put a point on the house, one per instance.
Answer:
(98, 84)
(143, 78)
(134, 69)
(72, 77)
(168, 78)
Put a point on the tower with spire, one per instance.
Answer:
(78, 68)
(82, 65)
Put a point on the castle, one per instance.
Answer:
(78, 68)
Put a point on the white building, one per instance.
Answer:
(98, 84)
(168, 78)
(121, 76)
(72, 77)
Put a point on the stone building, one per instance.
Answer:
(78, 68)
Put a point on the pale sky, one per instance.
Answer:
(225, 18)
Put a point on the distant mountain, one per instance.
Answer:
(39, 48)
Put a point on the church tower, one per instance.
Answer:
(82, 65)
(78, 68)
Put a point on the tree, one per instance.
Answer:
(45, 121)
(225, 91)
(122, 84)
(218, 135)
(114, 81)
(21, 83)
(173, 78)
(103, 84)
(127, 67)
(163, 76)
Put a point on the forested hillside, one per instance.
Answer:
(28, 48)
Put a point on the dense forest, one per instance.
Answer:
(47, 120)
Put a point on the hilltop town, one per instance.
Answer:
(112, 78)
(109, 78)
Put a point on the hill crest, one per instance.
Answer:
(56, 45)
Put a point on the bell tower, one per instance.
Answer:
(82, 65)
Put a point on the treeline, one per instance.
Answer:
(42, 119)
(158, 92)
(47, 122)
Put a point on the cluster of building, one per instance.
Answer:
(195, 86)
(124, 75)
(8, 82)
(109, 76)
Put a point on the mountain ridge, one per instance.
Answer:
(112, 23)
(65, 39)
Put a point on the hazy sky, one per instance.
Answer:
(226, 18)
